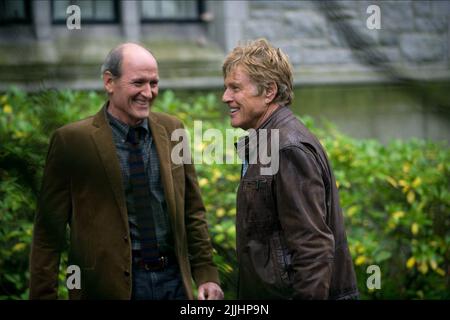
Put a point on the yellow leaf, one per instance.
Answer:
(7, 108)
(360, 260)
(360, 249)
(216, 174)
(352, 210)
(3, 99)
(433, 264)
(203, 182)
(417, 181)
(232, 177)
(220, 212)
(199, 147)
(19, 134)
(415, 228)
(403, 183)
(392, 181)
(410, 197)
(440, 272)
(19, 246)
(228, 268)
(411, 262)
(423, 268)
(398, 214)
(231, 231)
(406, 167)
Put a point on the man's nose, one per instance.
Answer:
(147, 91)
(226, 97)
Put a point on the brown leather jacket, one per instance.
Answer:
(291, 241)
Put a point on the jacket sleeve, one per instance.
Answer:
(301, 204)
(199, 241)
(49, 235)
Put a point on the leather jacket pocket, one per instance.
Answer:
(282, 261)
(259, 204)
(270, 264)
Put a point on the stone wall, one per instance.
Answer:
(413, 42)
(414, 35)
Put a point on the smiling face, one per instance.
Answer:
(132, 94)
(247, 108)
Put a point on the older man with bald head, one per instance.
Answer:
(137, 227)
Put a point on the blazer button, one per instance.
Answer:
(125, 238)
(126, 273)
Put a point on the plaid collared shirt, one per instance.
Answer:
(151, 164)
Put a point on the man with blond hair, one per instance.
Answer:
(291, 241)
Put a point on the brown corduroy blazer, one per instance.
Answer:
(82, 188)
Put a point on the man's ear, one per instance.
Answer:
(271, 92)
(108, 82)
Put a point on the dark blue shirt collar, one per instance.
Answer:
(122, 127)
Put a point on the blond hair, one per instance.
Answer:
(264, 65)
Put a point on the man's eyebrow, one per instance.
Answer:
(144, 79)
(232, 83)
(137, 79)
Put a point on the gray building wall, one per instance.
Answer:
(414, 36)
(413, 42)
(328, 43)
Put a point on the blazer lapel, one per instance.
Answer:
(161, 140)
(103, 139)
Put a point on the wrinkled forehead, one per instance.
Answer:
(239, 78)
(237, 73)
(241, 70)
(232, 67)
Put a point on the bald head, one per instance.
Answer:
(130, 77)
(125, 51)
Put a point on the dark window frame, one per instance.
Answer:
(115, 20)
(200, 10)
(21, 21)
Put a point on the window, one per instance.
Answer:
(14, 11)
(171, 10)
(92, 11)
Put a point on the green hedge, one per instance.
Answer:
(395, 197)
